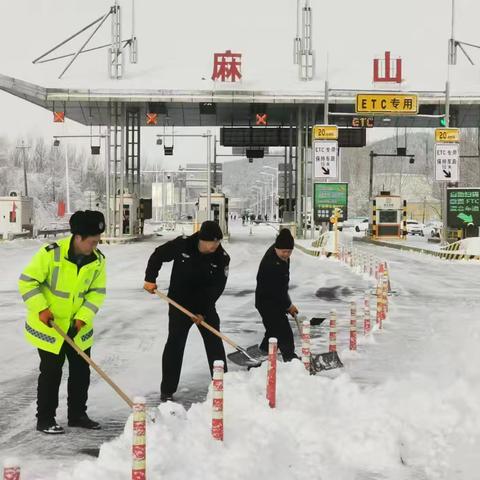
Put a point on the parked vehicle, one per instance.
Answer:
(362, 226)
(415, 228)
(433, 228)
(354, 221)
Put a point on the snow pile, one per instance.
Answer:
(322, 428)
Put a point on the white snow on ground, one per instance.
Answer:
(404, 407)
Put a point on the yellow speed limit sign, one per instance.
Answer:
(325, 132)
(447, 135)
(389, 103)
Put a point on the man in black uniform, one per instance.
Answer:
(271, 295)
(198, 278)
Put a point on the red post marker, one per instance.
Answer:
(11, 470)
(366, 313)
(306, 344)
(353, 326)
(379, 305)
(333, 332)
(139, 440)
(217, 405)
(272, 372)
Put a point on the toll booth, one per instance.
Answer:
(130, 217)
(218, 208)
(388, 216)
(16, 215)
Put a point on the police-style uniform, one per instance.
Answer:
(196, 282)
(272, 299)
(72, 288)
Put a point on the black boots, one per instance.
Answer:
(84, 422)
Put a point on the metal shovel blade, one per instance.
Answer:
(317, 320)
(326, 361)
(251, 357)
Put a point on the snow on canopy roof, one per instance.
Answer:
(177, 41)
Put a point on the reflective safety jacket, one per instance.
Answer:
(52, 281)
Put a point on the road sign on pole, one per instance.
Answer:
(325, 132)
(447, 158)
(387, 103)
(325, 158)
(447, 135)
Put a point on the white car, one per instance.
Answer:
(433, 228)
(415, 228)
(359, 224)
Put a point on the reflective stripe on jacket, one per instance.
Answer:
(51, 281)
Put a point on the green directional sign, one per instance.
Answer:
(328, 196)
(463, 207)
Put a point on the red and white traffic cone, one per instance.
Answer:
(272, 372)
(217, 403)
(333, 331)
(353, 326)
(306, 344)
(139, 439)
(366, 313)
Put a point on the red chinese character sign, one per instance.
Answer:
(227, 66)
(392, 70)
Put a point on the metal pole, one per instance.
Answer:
(214, 162)
(25, 171)
(325, 105)
(298, 179)
(67, 180)
(209, 195)
(370, 178)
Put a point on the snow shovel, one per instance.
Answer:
(320, 361)
(92, 364)
(247, 359)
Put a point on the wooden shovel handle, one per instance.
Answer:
(92, 364)
(197, 319)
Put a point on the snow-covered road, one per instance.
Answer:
(405, 406)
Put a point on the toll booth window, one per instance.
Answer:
(388, 216)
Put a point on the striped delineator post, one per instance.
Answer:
(333, 332)
(353, 326)
(11, 469)
(306, 344)
(386, 285)
(366, 313)
(139, 439)
(272, 372)
(217, 403)
(379, 304)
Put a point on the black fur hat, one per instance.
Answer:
(87, 223)
(210, 231)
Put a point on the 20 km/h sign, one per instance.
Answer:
(447, 157)
(325, 132)
(447, 135)
(387, 103)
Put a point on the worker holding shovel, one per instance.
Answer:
(198, 278)
(271, 295)
(63, 287)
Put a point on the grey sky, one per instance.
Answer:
(177, 41)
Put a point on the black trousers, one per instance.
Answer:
(50, 378)
(277, 325)
(172, 359)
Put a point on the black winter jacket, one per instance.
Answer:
(272, 283)
(197, 280)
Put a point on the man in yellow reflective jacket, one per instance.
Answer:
(65, 283)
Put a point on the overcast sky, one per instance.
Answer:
(177, 41)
